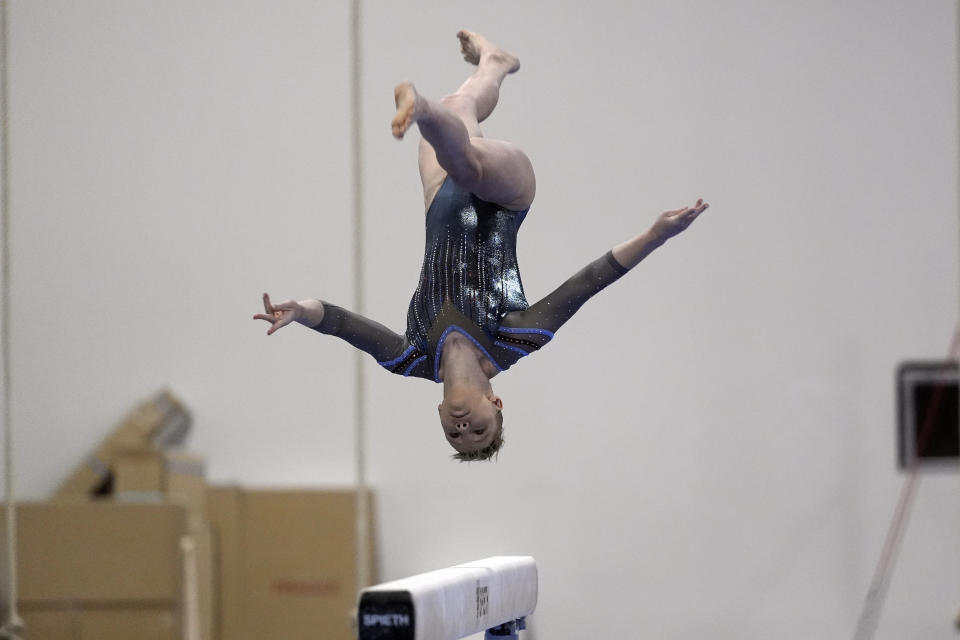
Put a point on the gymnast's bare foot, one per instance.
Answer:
(476, 50)
(407, 99)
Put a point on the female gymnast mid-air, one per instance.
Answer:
(468, 319)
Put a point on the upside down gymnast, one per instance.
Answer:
(468, 319)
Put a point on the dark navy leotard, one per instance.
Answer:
(470, 283)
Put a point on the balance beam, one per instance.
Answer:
(494, 595)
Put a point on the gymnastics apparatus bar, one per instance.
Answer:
(494, 595)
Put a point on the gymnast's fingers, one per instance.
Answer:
(283, 305)
(694, 213)
(267, 307)
(280, 323)
(274, 326)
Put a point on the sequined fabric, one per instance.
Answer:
(470, 259)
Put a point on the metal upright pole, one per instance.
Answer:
(359, 383)
(13, 625)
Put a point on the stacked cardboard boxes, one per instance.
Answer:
(136, 545)
(122, 549)
(152, 477)
(156, 424)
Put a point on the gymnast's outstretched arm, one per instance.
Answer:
(363, 333)
(555, 309)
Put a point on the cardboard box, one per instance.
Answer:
(155, 424)
(286, 563)
(112, 571)
(152, 476)
(99, 552)
(139, 476)
(186, 480)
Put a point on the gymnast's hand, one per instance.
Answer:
(668, 224)
(671, 223)
(279, 315)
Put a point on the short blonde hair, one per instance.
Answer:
(488, 452)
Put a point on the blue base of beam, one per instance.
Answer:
(507, 630)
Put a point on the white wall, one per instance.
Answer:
(167, 162)
(707, 448)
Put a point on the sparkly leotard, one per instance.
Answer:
(470, 283)
(470, 260)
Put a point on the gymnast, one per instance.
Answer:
(468, 319)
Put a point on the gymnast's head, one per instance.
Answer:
(472, 421)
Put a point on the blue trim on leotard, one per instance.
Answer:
(464, 332)
(406, 372)
(512, 348)
(389, 363)
(542, 332)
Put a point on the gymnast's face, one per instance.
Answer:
(470, 421)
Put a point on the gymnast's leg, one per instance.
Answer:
(494, 170)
